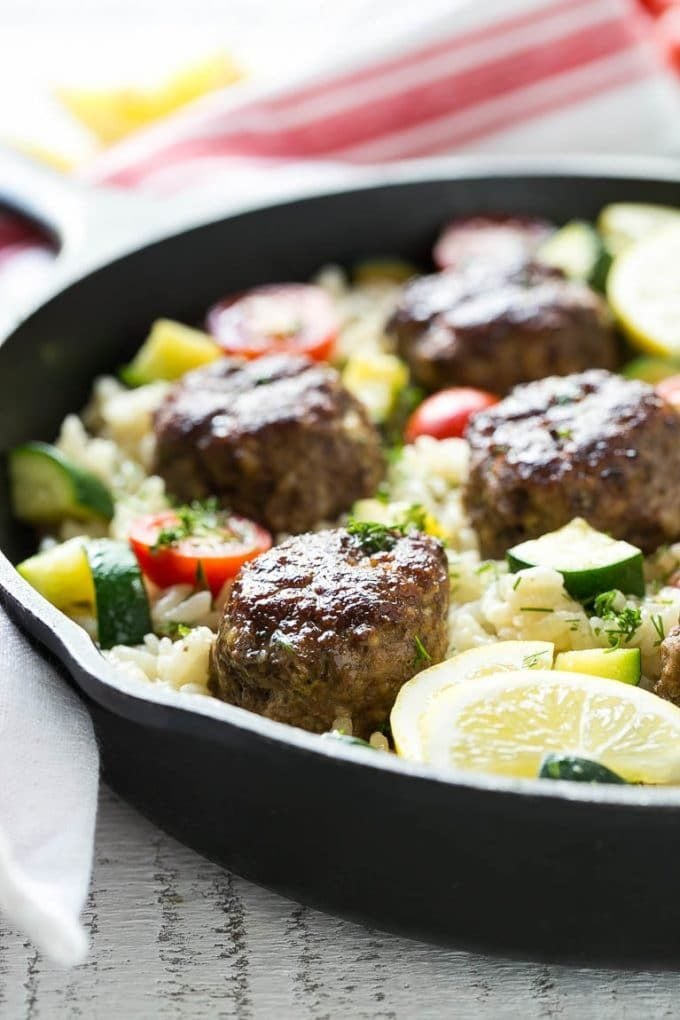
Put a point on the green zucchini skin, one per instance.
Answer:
(622, 567)
(123, 615)
(47, 487)
(576, 770)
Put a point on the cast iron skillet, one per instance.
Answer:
(539, 868)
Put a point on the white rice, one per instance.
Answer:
(114, 440)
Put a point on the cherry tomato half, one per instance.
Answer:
(277, 318)
(214, 553)
(669, 389)
(445, 415)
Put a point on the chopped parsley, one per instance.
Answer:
(375, 537)
(422, 654)
(195, 519)
(278, 639)
(564, 433)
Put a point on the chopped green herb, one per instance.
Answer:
(175, 630)
(658, 625)
(422, 654)
(373, 537)
(197, 518)
(564, 433)
(626, 621)
(282, 642)
(517, 582)
(529, 661)
(535, 609)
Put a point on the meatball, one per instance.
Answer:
(668, 684)
(279, 440)
(325, 625)
(495, 332)
(592, 445)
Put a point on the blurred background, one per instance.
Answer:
(109, 91)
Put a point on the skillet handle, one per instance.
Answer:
(85, 222)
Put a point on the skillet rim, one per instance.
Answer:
(101, 682)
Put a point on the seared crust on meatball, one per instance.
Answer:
(460, 330)
(318, 628)
(592, 445)
(668, 684)
(279, 440)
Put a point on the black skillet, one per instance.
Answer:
(527, 867)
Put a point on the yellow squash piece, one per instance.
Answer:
(169, 351)
(505, 723)
(62, 574)
(376, 380)
(416, 695)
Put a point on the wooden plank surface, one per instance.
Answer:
(175, 936)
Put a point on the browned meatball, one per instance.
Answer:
(668, 684)
(592, 445)
(321, 627)
(279, 440)
(493, 333)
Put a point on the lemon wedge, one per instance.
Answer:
(505, 724)
(415, 696)
(643, 288)
(622, 223)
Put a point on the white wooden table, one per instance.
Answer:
(174, 936)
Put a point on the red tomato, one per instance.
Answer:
(669, 389)
(667, 29)
(216, 550)
(657, 7)
(277, 318)
(445, 414)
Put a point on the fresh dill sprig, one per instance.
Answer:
(422, 654)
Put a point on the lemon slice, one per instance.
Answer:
(622, 223)
(415, 697)
(505, 723)
(643, 288)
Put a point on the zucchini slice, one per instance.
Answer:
(170, 350)
(578, 251)
(590, 561)
(577, 770)
(622, 664)
(650, 369)
(123, 615)
(46, 487)
(622, 223)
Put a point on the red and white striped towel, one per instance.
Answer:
(502, 75)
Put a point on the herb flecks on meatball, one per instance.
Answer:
(279, 440)
(592, 445)
(332, 624)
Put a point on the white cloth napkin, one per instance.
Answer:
(49, 773)
(506, 76)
